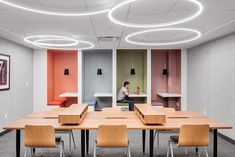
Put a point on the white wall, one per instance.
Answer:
(17, 101)
(211, 80)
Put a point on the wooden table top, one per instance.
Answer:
(52, 114)
(184, 114)
(130, 119)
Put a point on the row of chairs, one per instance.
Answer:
(116, 136)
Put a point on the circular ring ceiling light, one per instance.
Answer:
(70, 43)
(197, 35)
(186, 19)
(52, 12)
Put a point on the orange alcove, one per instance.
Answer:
(57, 82)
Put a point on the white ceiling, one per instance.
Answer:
(215, 21)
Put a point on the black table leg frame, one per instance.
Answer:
(215, 145)
(143, 140)
(83, 143)
(151, 142)
(87, 141)
(18, 143)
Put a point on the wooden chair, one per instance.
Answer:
(157, 132)
(190, 135)
(112, 136)
(37, 136)
(109, 109)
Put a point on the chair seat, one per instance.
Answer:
(175, 139)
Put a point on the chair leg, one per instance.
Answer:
(61, 150)
(158, 140)
(70, 136)
(206, 152)
(74, 145)
(199, 152)
(129, 151)
(186, 151)
(94, 153)
(25, 153)
(31, 151)
(168, 149)
(126, 151)
(172, 153)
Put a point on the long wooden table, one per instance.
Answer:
(130, 119)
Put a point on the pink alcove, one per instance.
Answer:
(57, 82)
(171, 83)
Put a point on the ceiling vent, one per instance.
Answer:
(108, 38)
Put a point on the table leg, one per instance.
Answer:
(143, 140)
(17, 143)
(151, 141)
(215, 147)
(87, 141)
(83, 143)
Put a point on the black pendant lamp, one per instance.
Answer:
(99, 72)
(66, 71)
(132, 71)
(165, 72)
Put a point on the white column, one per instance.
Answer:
(149, 76)
(80, 78)
(114, 76)
(184, 79)
(40, 80)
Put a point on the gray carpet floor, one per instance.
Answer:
(7, 147)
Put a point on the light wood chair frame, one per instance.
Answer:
(172, 145)
(58, 144)
(127, 148)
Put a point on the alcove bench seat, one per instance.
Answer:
(57, 103)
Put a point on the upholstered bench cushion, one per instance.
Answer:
(122, 104)
(56, 102)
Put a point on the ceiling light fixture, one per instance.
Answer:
(41, 41)
(198, 35)
(52, 12)
(186, 19)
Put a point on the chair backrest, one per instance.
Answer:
(193, 135)
(112, 136)
(39, 136)
(109, 109)
(166, 109)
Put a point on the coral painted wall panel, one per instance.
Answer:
(57, 61)
(66, 83)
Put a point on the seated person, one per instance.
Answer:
(123, 96)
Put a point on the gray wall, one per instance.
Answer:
(211, 80)
(18, 101)
(92, 83)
